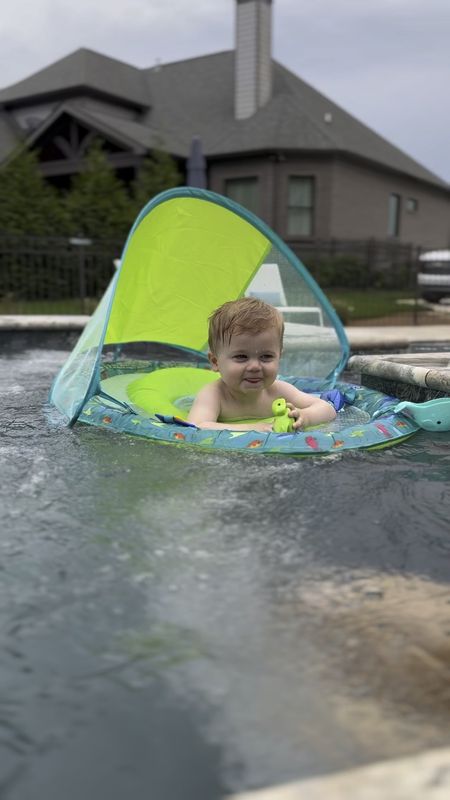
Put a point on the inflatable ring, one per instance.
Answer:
(155, 406)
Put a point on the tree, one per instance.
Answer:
(158, 172)
(98, 204)
(28, 205)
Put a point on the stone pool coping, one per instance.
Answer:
(409, 376)
(423, 776)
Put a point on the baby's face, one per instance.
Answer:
(250, 361)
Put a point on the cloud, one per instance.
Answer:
(138, 31)
(386, 62)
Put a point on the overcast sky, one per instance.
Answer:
(384, 61)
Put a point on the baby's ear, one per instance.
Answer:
(213, 361)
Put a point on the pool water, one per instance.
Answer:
(183, 625)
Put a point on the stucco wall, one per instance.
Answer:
(351, 199)
(273, 173)
(359, 206)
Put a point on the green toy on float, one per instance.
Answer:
(282, 422)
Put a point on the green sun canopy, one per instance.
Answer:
(183, 260)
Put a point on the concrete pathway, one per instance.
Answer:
(360, 338)
(42, 322)
(398, 336)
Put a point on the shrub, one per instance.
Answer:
(340, 271)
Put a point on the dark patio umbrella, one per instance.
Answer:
(196, 165)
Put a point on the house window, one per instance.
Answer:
(412, 205)
(394, 215)
(244, 191)
(300, 206)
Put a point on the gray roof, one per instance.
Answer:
(196, 97)
(126, 132)
(82, 70)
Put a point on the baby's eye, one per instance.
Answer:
(240, 357)
(267, 357)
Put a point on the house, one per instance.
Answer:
(271, 141)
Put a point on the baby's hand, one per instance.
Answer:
(296, 415)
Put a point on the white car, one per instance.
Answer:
(433, 278)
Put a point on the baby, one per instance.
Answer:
(245, 343)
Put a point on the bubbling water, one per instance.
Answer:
(202, 623)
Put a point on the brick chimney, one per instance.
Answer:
(253, 64)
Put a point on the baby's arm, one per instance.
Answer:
(305, 409)
(206, 409)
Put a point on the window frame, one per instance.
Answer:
(242, 179)
(412, 205)
(309, 208)
(394, 214)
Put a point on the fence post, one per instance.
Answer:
(81, 242)
(415, 265)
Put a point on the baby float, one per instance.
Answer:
(142, 356)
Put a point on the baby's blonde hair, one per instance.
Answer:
(246, 315)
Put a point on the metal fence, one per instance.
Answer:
(41, 274)
(60, 275)
(360, 264)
